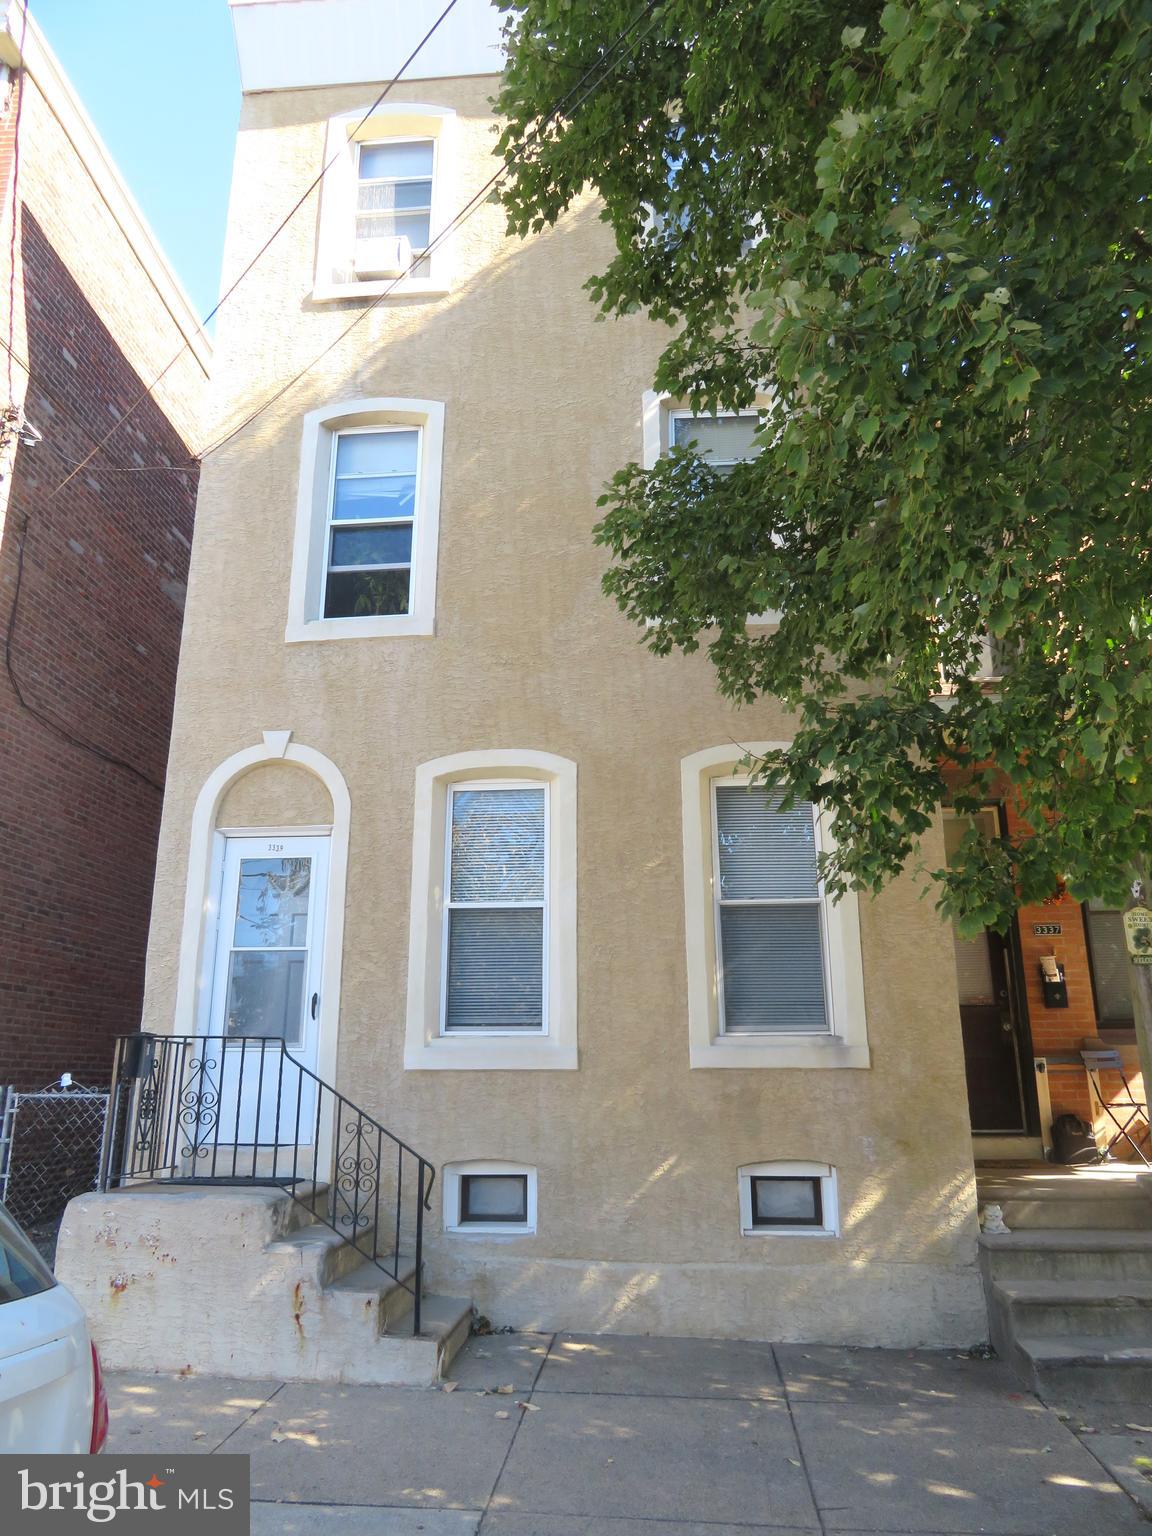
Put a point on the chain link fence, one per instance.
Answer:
(49, 1151)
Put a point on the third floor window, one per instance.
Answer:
(393, 204)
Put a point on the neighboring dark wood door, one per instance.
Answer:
(991, 1047)
(988, 1018)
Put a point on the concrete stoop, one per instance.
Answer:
(246, 1283)
(1070, 1301)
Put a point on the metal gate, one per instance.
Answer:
(49, 1150)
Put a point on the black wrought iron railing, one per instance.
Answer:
(215, 1109)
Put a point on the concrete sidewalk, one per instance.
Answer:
(625, 1436)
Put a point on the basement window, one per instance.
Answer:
(490, 1197)
(788, 1199)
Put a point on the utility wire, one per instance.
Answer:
(605, 63)
(228, 292)
(42, 716)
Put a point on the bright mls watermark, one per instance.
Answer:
(193, 1495)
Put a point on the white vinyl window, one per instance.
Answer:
(770, 938)
(788, 1200)
(723, 441)
(490, 1199)
(775, 971)
(367, 521)
(371, 512)
(388, 191)
(496, 912)
(393, 204)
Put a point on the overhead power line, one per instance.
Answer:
(605, 64)
(231, 289)
(46, 718)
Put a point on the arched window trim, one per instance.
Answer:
(309, 555)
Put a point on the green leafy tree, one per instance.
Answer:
(917, 233)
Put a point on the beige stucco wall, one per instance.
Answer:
(637, 1155)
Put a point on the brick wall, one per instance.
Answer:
(97, 631)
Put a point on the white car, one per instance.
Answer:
(52, 1396)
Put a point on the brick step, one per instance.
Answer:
(1119, 1309)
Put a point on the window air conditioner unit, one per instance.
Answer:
(382, 256)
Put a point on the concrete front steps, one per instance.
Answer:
(1070, 1286)
(246, 1282)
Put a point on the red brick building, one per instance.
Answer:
(93, 565)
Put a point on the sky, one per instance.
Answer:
(159, 79)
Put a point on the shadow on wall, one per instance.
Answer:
(94, 646)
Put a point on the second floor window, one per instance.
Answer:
(723, 441)
(769, 913)
(496, 918)
(372, 509)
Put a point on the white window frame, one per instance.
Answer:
(426, 1046)
(829, 1203)
(656, 414)
(735, 781)
(371, 522)
(455, 1172)
(680, 413)
(845, 1044)
(321, 430)
(450, 905)
(360, 144)
(399, 122)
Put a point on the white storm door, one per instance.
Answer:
(263, 1020)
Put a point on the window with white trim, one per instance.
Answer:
(367, 520)
(493, 1198)
(371, 510)
(496, 912)
(775, 973)
(492, 978)
(387, 193)
(769, 913)
(722, 441)
(785, 1199)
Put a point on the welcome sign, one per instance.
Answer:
(184, 1495)
(1138, 935)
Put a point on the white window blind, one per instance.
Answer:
(770, 917)
(394, 191)
(722, 440)
(372, 509)
(496, 909)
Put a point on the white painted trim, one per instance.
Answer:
(829, 1198)
(334, 277)
(452, 1173)
(847, 1044)
(425, 1049)
(309, 554)
(60, 95)
(206, 846)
